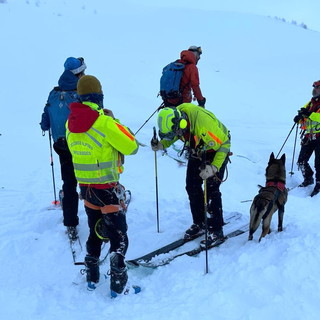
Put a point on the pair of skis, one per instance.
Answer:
(166, 254)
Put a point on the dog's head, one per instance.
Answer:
(276, 169)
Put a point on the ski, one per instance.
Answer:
(174, 245)
(190, 253)
(127, 199)
(75, 247)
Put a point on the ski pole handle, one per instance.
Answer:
(155, 133)
(203, 160)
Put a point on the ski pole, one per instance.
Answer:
(205, 200)
(294, 150)
(52, 169)
(161, 106)
(156, 178)
(285, 140)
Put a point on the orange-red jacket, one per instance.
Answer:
(190, 78)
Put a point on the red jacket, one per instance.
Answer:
(190, 78)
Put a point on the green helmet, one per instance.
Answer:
(170, 121)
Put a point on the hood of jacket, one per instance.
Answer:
(81, 117)
(188, 57)
(68, 81)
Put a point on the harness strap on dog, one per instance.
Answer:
(278, 184)
(109, 208)
(275, 198)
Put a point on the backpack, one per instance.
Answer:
(170, 81)
(58, 110)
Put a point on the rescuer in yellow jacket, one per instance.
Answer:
(97, 143)
(309, 119)
(207, 142)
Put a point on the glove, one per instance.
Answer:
(208, 171)
(297, 118)
(305, 113)
(202, 102)
(156, 145)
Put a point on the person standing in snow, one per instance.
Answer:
(190, 78)
(97, 143)
(54, 118)
(207, 142)
(309, 119)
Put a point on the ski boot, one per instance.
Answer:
(316, 189)
(72, 233)
(93, 272)
(306, 182)
(213, 238)
(194, 231)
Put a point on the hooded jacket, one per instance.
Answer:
(97, 143)
(190, 79)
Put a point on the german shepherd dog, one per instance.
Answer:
(271, 198)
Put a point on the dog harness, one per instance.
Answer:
(280, 186)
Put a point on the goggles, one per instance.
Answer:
(167, 136)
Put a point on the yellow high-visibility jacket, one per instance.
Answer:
(97, 143)
(312, 123)
(207, 132)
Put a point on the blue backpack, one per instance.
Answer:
(170, 81)
(56, 112)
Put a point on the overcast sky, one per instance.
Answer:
(306, 11)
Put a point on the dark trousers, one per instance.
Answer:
(115, 223)
(307, 148)
(70, 199)
(196, 195)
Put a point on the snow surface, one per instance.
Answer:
(256, 72)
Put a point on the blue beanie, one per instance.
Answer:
(74, 65)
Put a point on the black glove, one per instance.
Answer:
(156, 144)
(202, 102)
(297, 118)
(306, 113)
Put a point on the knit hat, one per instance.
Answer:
(88, 85)
(75, 65)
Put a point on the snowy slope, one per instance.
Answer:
(255, 72)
